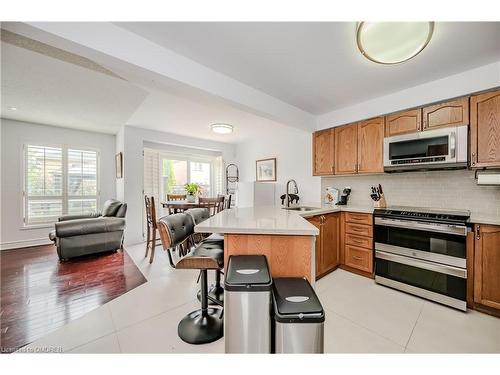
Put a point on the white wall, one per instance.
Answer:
(293, 150)
(464, 83)
(132, 141)
(14, 135)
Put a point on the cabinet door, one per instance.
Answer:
(371, 145)
(346, 149)
(403, 122)
(485, 130)
(330, 242)
(453, 113)
(317, 222)
(323, 152)
(487, 265)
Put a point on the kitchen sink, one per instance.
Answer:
(301, 208)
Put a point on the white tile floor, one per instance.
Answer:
(361, 317)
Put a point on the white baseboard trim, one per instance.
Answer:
(24, 243)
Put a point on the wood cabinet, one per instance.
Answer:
(346, 149)
(487, 266)
(327, 242)
(403, 122)
(371, 145)
(356, 253)
(452, 113)
(323, 152)
(485, 130)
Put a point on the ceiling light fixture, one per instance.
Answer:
(12, 108)
(393, 42)
(222, 128)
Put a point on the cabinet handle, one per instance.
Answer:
(473, 158)
(478, 232)
(357, 258)
(333, 168)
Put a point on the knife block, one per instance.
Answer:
(380, 203)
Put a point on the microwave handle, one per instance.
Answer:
(453, 144)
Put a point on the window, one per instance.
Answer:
(59, 181)
(176, 173)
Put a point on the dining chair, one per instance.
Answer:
(175, 197)
(215, 205)
(151, 227)
(227, 200)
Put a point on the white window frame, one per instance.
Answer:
(188, 158)
(65, 197)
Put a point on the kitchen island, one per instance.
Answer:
(283, 236)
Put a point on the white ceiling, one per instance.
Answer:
(50, 91)
(317, 66)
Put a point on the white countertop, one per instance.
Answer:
(270, 220)
(258, 220)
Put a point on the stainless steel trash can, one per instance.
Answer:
(247, 305)
(299, 317)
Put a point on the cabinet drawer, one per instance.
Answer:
(359, 258)
(365, 242)
(358, 218)
(359, 229)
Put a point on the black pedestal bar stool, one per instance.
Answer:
(216, 291)
(205, 324)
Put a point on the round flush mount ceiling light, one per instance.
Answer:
(222, 128)
(393, 42)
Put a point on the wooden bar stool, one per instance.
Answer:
(199, 215)
(215, 205)
(205, 324)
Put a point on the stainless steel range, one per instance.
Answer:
(423, 252)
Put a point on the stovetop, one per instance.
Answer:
(426, 214)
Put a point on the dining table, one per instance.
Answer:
(182, 205)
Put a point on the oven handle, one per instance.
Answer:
(459, 230)
(453, 144)
(435, 267)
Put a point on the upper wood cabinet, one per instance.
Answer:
(403, 122)
(371, 145)
(487, 265)
(453, 113)
(485, 130)
(323, 152)
(346, 149)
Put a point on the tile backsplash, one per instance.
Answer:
(454, 189)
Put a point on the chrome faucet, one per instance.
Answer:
(295, 190)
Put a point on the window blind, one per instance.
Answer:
(59, 181)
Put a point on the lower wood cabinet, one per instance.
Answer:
(327, 242)
(359, 258)
(356, 252)
(487, 266)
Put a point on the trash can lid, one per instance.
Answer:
(248, 273)
(296, 302)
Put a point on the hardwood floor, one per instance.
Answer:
(39, 294)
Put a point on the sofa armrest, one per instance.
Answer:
(80, 227)
(76, 217)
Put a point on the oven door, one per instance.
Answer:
(433, 242)
(440, 283)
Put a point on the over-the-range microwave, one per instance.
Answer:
(444, 148)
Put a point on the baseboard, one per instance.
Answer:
(24, 243)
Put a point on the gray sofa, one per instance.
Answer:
(77, 235)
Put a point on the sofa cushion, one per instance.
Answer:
(111, 207)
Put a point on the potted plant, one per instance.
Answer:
(192, 189)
